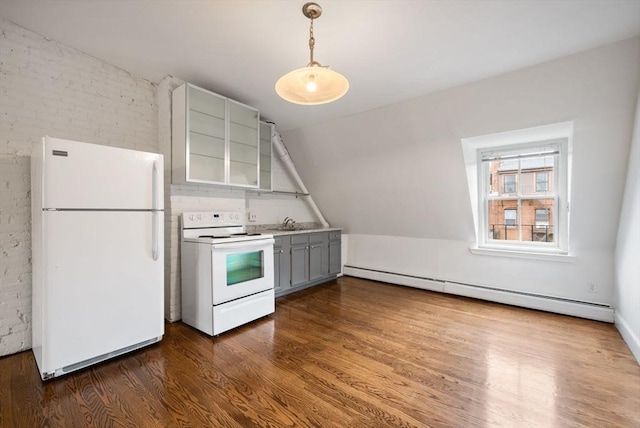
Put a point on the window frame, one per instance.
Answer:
(471, 145)
(559, 196)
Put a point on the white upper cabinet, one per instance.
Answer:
(215, 140)
(266, 130)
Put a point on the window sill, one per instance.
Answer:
(519, 254)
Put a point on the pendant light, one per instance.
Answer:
(313, 84)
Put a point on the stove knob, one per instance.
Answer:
(191, 217)
(199, 216)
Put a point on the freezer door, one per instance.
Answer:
(88, 176)
(102, 290)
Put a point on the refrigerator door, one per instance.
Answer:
(89, 176)
(103, 289)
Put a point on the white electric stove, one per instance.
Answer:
(227, 273)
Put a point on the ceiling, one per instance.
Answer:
(389, 50)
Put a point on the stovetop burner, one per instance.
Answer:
(217, 228)
(230, 235)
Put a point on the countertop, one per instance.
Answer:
(280, 232)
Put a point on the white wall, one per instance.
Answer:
(395, 178)
(627, 266)
(49, 89)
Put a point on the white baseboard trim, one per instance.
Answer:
(509, 297)
(394, 278)
(630, 338)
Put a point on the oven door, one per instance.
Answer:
(240, 269)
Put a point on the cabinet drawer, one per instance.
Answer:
(317, 238)
(301, 239)
(335, 235)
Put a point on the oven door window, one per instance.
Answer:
(244, 267)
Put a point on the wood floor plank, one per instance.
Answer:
(351, 353)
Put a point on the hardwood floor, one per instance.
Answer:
(351, 353)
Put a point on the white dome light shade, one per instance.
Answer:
(312, 86)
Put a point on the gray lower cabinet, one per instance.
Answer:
(305, 259)
(318, 255)
(282, 264)
(335, 252)
(299, 260)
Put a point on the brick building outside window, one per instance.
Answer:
(528, 177)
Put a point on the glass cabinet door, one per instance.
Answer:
(266, 130)
(215, 140)
(243, 144)
(206, 137)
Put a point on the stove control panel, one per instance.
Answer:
(211, 219)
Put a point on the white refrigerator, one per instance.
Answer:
(97, 253)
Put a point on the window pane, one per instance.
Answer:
(503, 220)
(542, 217)
(531, 222)
(510, 217)
(536, 174)
(509, 183)
(542, 182)
(537, 220)
(525, 176)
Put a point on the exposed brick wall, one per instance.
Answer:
(47, 88)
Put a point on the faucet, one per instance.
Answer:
(288, 223)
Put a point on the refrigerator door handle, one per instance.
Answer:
(154, 213)
(154, 235)
(154, 186)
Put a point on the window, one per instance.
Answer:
(510, 217)
(519, 195)
(542, 181)
(542, 217)
(509, 183)
(519, 186)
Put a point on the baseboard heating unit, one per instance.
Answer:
(589, 310)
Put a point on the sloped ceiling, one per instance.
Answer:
(389, 50)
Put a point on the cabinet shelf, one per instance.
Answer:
(205, 113)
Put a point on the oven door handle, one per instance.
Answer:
(244, 244)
